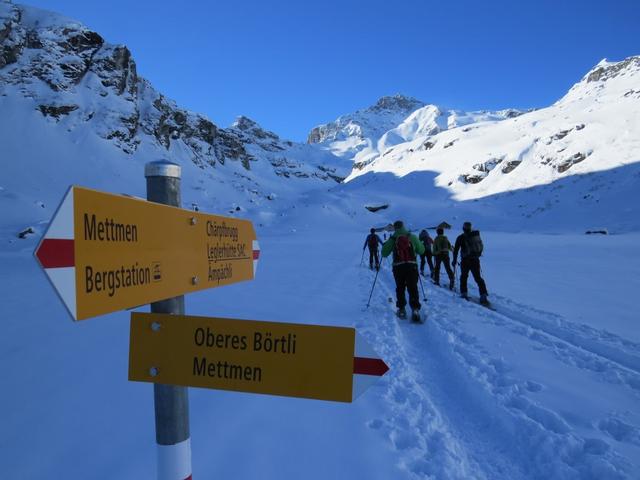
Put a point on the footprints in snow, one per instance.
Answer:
(416, 428)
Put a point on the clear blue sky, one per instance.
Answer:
(291, 65)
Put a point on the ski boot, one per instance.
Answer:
(415, 315)
(484, 300)
(464, 295)
(451, 284)
(401, 313)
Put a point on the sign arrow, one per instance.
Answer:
(105, 252)
(294, 360)
(367, 367)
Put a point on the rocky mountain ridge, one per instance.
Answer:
(78, 79)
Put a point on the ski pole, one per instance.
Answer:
(372, 287)
(455, 274)
(424, 296)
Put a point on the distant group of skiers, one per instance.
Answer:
(406, 248)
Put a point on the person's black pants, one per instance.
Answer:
(440, 259)
(429, 261)
(470, 264)
(406, 277)
(373, 254)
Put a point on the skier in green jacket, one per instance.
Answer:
(405, 246)
(441, 249)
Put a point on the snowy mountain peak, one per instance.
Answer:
(606, 70)
(362, 136)
(397, 102)
(607, 81)
(245, 124)
(81, 103)
(372, 121)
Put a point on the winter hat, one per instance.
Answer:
(466, 226)
(373, 230)
(398, 224)
(440, 231)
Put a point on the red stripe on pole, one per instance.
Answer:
(188, 478)
(369, 366)
(56, 253)
(256, 254)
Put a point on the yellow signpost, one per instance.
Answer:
(294, 360)
(106, 252)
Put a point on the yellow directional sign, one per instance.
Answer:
(310, 361)
(106, 252)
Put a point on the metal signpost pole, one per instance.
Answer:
(171, 402)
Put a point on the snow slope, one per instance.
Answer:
(573, 165)
(546, 387)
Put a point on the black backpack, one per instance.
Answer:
(474, 244)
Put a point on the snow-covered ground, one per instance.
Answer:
(548, 386)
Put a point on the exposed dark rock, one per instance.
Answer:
(450, 144)
(32, 40)
(11, 41)
(207, 130)
(561, 134)
(511, 113)
(487, 166)
(372, 208)
(56, 111)
(117, 69)
(361, 165)
(315, 135)
(472, 178)
(605, 73)
(510, 166)
(429, 145)
(26, 232)
(397, 102)
(80, 41)
(570, 162)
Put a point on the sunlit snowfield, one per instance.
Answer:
(547, 386)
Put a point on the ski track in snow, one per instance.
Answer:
(458, 412)
(603, 344)
(415, 427)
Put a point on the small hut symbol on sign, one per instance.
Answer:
(157, 272)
